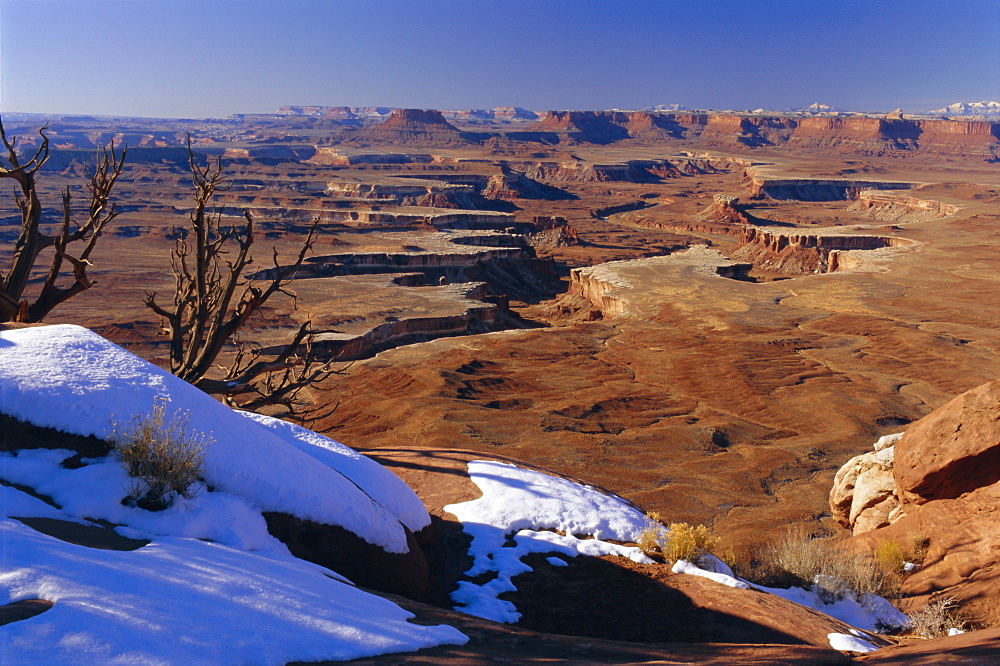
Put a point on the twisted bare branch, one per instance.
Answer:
(213, 299)
(31, 241)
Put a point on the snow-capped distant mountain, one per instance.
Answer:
(817, 108)
(666, 107)
(970, 109)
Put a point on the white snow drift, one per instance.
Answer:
(72, 379)
(241, 598)
(528, 505)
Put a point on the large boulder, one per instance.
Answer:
(946, 479)
(953, 450)
(863, 497)
(963, 559)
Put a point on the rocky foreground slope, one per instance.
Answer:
(259, 546)
(939, 481)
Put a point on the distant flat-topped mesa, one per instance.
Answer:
(866, 135)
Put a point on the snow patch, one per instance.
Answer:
(685, 567)
(528, 505)
(179, 601)
(864, 613)
(848, 643)
(69, 378)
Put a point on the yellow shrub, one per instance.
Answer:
(687, 542)
(890, 557)
(652, 535)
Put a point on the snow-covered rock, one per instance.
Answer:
(212, 585)
(69, 378)
(528, 505)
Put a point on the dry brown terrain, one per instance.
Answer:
(708, 399)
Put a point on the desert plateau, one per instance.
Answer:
(468, 333)
(709, 318)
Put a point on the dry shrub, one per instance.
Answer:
(160, 455)
(936, 618)
(828, 567)
(687, 542)
(890, 556)
(919, 545)
(652, 534)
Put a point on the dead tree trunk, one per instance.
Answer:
(31, 241)
(213, 299)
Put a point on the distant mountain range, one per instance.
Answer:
(970, 109)
(817, 108)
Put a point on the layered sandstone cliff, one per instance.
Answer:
(891, 207)
(854, 134)
(798, 254)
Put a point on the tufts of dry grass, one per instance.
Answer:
(831, 569)
(160, 455)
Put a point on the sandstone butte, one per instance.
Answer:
(842, 291)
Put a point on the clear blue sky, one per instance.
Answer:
(209, 58)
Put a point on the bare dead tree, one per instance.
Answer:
(214, 298)
(32, 241)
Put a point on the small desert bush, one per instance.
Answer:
(828, 567)
(936, 618)
(160, 455)
(890, 556)
(687, 542)
(652, 534)
(680, 541)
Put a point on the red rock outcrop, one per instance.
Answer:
(509, 185)
(962, 560)
(584, 126)
(350, 555)
(813, 189)
(900, 208)
(804, 253)
(953, 450)
(946, 478)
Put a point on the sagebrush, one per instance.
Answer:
(652, 534)
(936, 618)
(830, 568)
(160, 454)
(680, 541)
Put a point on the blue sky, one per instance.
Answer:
(208, 58)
